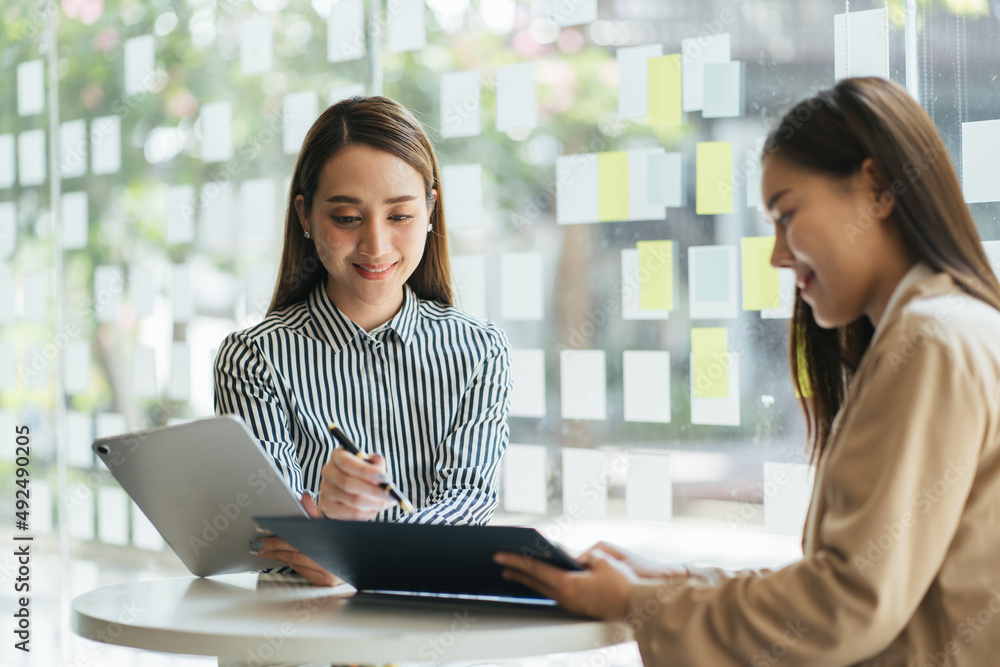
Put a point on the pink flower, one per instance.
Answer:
(106, 40)
(88, 11)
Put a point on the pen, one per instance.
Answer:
(384, 481)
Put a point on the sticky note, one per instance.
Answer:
(634, 79)
(79, 436)
(527, 397)
(665, 182)
(639, 205)
(786, 298)
(516, 97)
(109, 424)
(992, 249)
(345, 37)
(713, 410)
(180, 215)
(612, 186)
(406, 29)
(708, 349)
(216, 132)
(41, 506)
(141, 290)
(258, 210)
(181, 294)
(256, 44)
(140, 64)
(522, 286)
(31, 158)
(649, 489)
(714, 184)
(585, 488)
(573, 12)
(463, 193)
(112, 507)
(30, 88)
(525, 479)
(300, 111)
(576, 189)
(712, 282)
(631, 289)
(665, 93)
(656, 275)
(460, 104)
(35, 296)
(583, 386)
(144, 534)
(7, 162)
(74, 219)
(696, 52)
(179, 382)
(787, 494)
(8, 380)
(344, 92)
(724, 90)
(76, 367)
(78, 502)
(106, 144)
(8, 229)
(6, 295)
(36, 374)
(215, 219)
(646, 383)
(259, 278)
(760, 279)
(73, 148)
(143, 371)
(980, 146)
(468, 273)
(868, 34)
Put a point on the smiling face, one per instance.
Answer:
(369, 222)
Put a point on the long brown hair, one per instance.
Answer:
(832, 133)
(387, 126)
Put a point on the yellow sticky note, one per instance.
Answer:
(714, 178)
(656, 275)
(709, 348)
(612, 186)
(760, 279)
(665, 90)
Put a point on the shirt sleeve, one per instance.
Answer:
(468, 459)
(244, 386)
(894, 486)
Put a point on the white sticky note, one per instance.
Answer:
(76, 368)
(144, 534)
(78, 502)
(527, 397)
(258, 213)
(143, 371)
(633, 79)
(516, 97)
(31, 158)
(631, 304)
(179, 382)
(112, 507)
(79, 436)
(754, 173)
(73, 148)
(35, 296)
(8, 229)
(256, 44)
(300, 111)
(665, 180)
(522, 286)
(649, 493)
(215, 219)
(525, 479)
(583, 386)
(786, 298)
(41, 506)
(343, 92)
(109, 282)
(585, 485)
(8, 380)
(345, 35)
(180, 214)
(576, 189)
(463, 193)
(141, 290)
(140, 64)
(646, 386)
(787, 493)
(7, 162)
(109, 424)
(30, 88)
(106, 145)
(724, 90)
(712, 289)
(468, 274)
(181, 294)
(260, 278)
(718, 411)
(460, 104)
(75, 220)
(980, 147)
(573, 12)
(992, 249)
(639, 187)
(406, 30)
(6, 295)
(36, 373)
(867, 54)
(696, 52)
(7, 423)
(216, 132)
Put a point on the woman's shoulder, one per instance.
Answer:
(290, 318)
(438, 315)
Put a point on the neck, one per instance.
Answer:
(366, 316)
(891, 277)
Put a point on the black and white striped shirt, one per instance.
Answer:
(429, 390)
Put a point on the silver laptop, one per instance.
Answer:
(200, 484)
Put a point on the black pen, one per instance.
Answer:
(384, 481)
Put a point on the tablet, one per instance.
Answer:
(419, 559)
(200, 484)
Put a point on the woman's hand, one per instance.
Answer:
(646, 568)
(350, 487)
(277, 548)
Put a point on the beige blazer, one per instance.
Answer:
(901, 550)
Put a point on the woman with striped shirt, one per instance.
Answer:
(361, 332)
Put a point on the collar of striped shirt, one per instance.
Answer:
(339, 330)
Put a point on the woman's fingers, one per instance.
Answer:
(280, 550)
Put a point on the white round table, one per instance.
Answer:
(260, 621)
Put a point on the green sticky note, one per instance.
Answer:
(656, 275)
(612, 186)
(665, 90)
(709, 348)
(714, 178)
(760, 279)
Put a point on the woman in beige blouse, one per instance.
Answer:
(896, 341)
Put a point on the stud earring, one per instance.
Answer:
(307, 235)
(429, 228)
